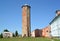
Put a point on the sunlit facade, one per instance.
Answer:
(55, 27)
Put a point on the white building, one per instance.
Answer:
(7, 34)
(55, 25)
(33, 34)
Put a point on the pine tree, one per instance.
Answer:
(1, 35)
(13, 35)
(16, 33)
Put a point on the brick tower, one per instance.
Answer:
(26, 29)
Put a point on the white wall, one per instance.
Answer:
(55, 27)
(33, 34)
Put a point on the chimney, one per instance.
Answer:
(57, 12)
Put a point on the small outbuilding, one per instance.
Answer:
(7, 35)
(36, 33)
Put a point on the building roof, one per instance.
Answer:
(54, 19)
(46, 27)
(26, 5)
(36, 29)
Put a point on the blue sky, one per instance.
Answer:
(42, 12)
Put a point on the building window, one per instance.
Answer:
(47, 31)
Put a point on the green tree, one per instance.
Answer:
(6, 30)
(13, 35)
(1, 35)
(16, 33)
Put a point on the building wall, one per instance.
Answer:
(33, 34)
(46, 31)
(55, 27)
(40, 32)
(7, 34)
(36, 33)
(25, 21)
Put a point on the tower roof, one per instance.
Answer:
(26, 5)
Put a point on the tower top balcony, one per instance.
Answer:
(26, 5)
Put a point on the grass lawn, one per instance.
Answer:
(28, 39)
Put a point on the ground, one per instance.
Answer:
(28, 39)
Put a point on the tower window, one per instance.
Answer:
(47, 31)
